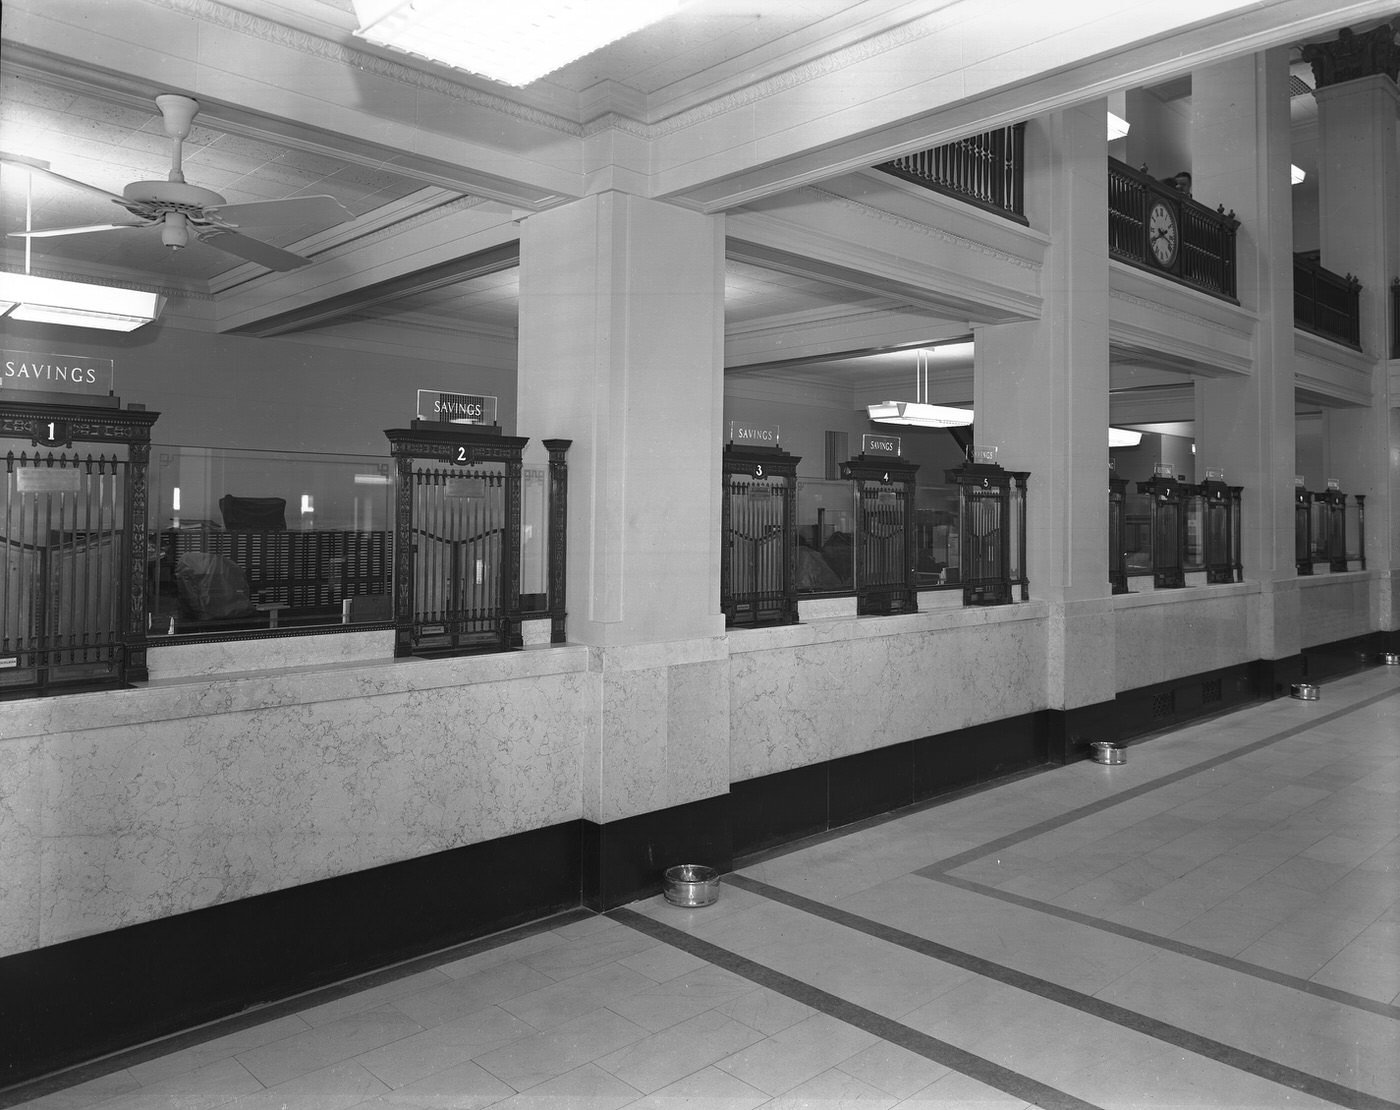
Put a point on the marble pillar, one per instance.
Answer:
(1041, 397)
(621, 351)
(1245, 424)
(1359, 216)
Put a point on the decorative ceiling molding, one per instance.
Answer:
(1196, 319)
(931, 231)
(837, 60)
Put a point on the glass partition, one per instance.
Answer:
(251, 540)
(1137, 533)
(936, 536)
(826, 513)
(534, 537)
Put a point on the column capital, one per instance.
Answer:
(1350, 56)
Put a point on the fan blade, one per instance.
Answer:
(48, 231)
(318, 211)
(42, 167)
(264, 254)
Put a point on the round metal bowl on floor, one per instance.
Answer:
(1105, 751)
(691, 884)
(1305, 691)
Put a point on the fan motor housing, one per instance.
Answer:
(172, 196)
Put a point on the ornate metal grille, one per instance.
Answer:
(1325, 303)
(884, 540)
(1221, 511)
(1168, 498)
(1117, 536)
(457, 565)
(758, 575)
(992, 508)
(73, 579)
(986, 170)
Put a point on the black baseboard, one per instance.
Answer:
(1073, 730)
(776, 809)
(68, 1003)
(625, 860)
(1168, 705)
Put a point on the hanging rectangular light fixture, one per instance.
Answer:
(1123, 437)
(76, 304)
(920, 415)
(1117, 127)
(514, 42)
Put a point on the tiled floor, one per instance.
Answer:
(1212, 924)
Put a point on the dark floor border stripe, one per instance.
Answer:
(931, 1048)
(1050, 824)
(1181, 948)
(222, 1027)
(1208, 1047)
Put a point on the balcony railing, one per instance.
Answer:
(1199, 252)
(1325, 303)
(986, 170)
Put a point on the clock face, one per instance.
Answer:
(1162, 233)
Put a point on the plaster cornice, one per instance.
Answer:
(932, 231)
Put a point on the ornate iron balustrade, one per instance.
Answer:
(1201, 251)
(1325, 303)
(987, 170)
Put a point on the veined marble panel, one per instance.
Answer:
(237, 787)
(185, 660)
(1334, 607)
(663, 729)
(21, 797)
(854, 686)
(1169, 634)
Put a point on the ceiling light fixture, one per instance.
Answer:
(1296, 174)
(919, 412)
(42, 300)
(1123, 437)
(514, 42)
(1117, 127)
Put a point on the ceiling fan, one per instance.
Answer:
(181, 210)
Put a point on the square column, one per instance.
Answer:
(1041, 396)
(1246, 425)
(621, 350)
(1359, 218)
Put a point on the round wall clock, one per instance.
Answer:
(1163, 237)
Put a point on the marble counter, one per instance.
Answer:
(123, 806)
(806, 693)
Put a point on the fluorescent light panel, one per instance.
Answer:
(919, 415)
(1117, 127)
(1123, 437)
(1297, 175)
(77, 304)
(511, 41)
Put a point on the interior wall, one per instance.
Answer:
(269, 394)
